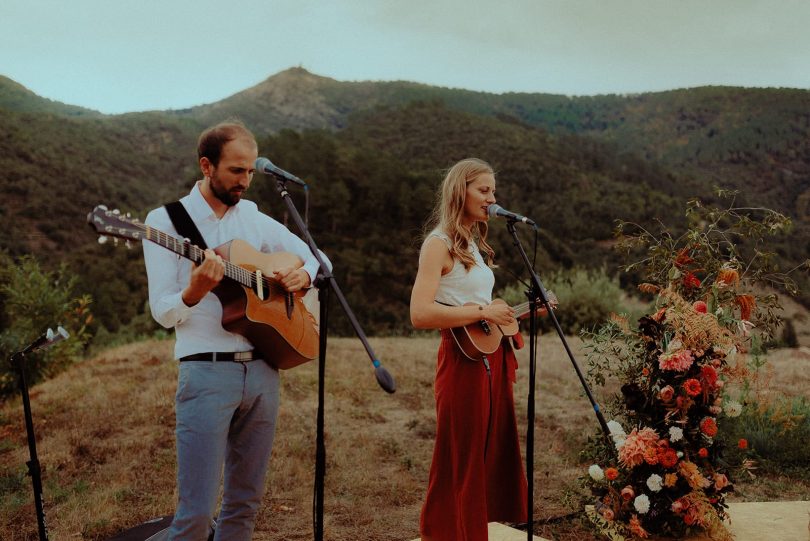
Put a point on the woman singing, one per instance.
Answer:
(477, 474)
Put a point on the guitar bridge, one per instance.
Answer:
(485, 326)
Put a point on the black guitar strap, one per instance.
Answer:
(184, 224)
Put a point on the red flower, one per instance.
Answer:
(700, 306)
(683, 258)
(611, 473)
(667, 457)
(708, 426)
(703, 452)
(708, 375)
(691, 281)
(692, 387)
(743, 443)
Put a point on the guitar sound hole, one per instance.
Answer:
(485, 326)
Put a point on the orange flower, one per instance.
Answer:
(611, 473)
(747, 303)
(637, 529)
(670, 479)
(703, 452)
(728, 277)
(743, 443)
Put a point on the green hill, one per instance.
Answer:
(373, 154)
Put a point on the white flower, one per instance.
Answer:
(675, 345)
(619, 443)
(679, 454)
(675, 433)
(596, 472)
(616, 429)
(642, 503)
(733, 408)
(654, 482)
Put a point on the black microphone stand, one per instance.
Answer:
(537, 292)
(325, 282)
(34, 470)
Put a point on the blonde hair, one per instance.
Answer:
(449, 212)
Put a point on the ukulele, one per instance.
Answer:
(481, 338)
(277, 322)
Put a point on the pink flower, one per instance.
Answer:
(666, 393)
(628, 493)
(680, 361)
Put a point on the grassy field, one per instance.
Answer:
(106, 443)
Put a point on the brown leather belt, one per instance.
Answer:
(232, 356)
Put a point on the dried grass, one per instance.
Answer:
(106, 443)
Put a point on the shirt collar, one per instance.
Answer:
(198, 207)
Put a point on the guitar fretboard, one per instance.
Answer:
(197, 255)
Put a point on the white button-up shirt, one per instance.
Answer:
(199, 328)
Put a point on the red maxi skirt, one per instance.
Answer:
(467, 488)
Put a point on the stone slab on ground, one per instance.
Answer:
(770, 521)
(501, 532)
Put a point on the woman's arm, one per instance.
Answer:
(434, 261)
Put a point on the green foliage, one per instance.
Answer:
(586, 298)
(33, 300)
(775, 432)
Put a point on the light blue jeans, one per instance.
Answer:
(226, 415)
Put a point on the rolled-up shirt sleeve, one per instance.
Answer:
(167, 273)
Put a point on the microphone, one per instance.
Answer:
(494, 210)
(47, 339)
(263, 165)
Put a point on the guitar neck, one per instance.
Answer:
(196, 254)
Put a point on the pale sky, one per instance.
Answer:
(133, 55)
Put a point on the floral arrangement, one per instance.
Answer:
(661, 470)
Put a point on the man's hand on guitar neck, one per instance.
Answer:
(204, 278)
(292, 278)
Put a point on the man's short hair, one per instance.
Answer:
(214, 138)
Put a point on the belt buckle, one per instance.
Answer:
(242, 356)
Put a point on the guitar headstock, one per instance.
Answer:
(114, 224)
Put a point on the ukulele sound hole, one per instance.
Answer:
(485, 326)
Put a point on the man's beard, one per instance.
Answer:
(229, 198)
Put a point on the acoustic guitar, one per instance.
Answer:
(278, 323)
(482, 338)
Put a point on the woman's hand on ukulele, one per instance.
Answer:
(498, 313)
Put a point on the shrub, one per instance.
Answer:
(31, 301)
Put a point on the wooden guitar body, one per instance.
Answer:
(284, 337)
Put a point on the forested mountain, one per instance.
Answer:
(373, 152)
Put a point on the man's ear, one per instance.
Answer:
(206, 167)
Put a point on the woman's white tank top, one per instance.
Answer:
(460, 286)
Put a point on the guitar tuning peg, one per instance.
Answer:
(115, 241)
(116, 212)
(103, 207)
(128, 244)
(102, 239)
